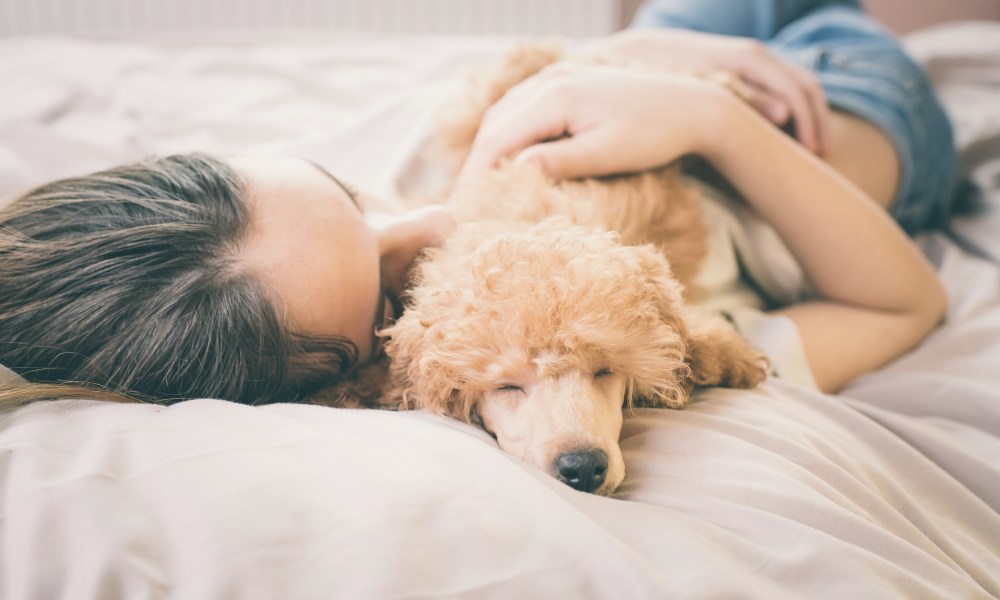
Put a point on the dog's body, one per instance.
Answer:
(556, 304)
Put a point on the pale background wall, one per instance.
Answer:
(528, 17)
(907, 15)
(902, 15)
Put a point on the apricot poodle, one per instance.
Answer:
(556, 304)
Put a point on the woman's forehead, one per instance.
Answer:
(310, 243)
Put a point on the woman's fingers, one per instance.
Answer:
(581, 155)
(785, 87)
(820, 109)
(543, 108)
(783, 90)
(514, 123)
(525, 116)
(772, 106)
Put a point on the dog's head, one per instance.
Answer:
(541, 337)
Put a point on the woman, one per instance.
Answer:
(263, 280)
(251, 280)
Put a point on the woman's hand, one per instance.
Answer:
(779, 90)
(582, 119)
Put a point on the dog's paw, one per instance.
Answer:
(718, 355)
(745, 369)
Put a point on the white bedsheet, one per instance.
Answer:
(891, 489)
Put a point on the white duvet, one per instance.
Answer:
(891, 489)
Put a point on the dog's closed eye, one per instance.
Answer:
(509, 387)
(605, 372)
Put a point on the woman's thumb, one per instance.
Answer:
(560, 159)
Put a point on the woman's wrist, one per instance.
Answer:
(718, 115)
(655, 48)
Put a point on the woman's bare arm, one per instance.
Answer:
(878, 295)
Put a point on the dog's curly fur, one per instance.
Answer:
(546, 278)
(495, 299)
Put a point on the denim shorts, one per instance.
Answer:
(863, 70)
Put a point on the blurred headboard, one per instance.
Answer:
(523, 17)
(131, 17)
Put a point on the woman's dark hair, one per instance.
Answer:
(129, 280)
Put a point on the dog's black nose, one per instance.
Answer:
(585, 470)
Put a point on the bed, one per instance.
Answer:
(890, 489)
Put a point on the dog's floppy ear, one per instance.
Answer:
(714, 352)
(418, 379)
(424, 366)
(666, 386)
